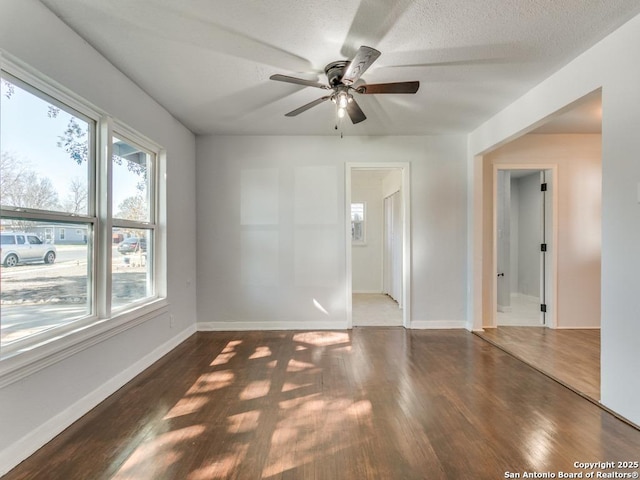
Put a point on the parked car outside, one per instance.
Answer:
(20, 247)
(133, 245)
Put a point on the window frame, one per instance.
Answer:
(39, 351)
(122, 132)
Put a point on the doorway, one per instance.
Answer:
(569, 143)
(523, 238)
(377, 244)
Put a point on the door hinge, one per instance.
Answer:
(543, 187)
(543, 247)
(543, 307)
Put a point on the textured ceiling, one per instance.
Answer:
(208, 61)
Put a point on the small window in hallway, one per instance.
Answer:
(358, 223)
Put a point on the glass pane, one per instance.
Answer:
(357, 222)
(45, 153)
(131, 169)
(131, 266)
(45, 279)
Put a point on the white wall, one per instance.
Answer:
(37, 407)
(306, 231)
(611, 65)
(391, 183)
(366, 186)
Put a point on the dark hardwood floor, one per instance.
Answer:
(371, 403)
(572, 357)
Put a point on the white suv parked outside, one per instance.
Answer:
(19, 247)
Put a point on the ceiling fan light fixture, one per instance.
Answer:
(341, 75)
(342, 99)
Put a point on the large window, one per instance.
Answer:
(78, 215)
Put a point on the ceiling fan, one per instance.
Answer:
(342, 76)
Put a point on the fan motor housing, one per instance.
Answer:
(335, 71)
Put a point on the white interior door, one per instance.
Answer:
(387, 246)
(396, 267)
(503, 243)
(392, 271)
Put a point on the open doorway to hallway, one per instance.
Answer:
(377, 246)
(523, 237)
(568, 147)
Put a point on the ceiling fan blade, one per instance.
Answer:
(298, 81)
(364, 58)
(355, 112)
(398, 87)
(306, 107)
(371, 23)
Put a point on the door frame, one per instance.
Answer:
(405, 168)
(551, 270)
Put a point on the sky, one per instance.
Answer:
(31, 134)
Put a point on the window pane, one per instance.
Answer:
(131, 266)
(357, 222)
(45, 281)
(131, 168)
(357, 212)
(45, 153)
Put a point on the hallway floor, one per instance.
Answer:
(524, 311)
(375, 309)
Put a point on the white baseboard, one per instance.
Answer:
(470, 328)
(27, 445)
(375, 292)
(576, 328)
(257, 326)
(438, 324)
(252, 325)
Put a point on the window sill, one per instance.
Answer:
(37, 357)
